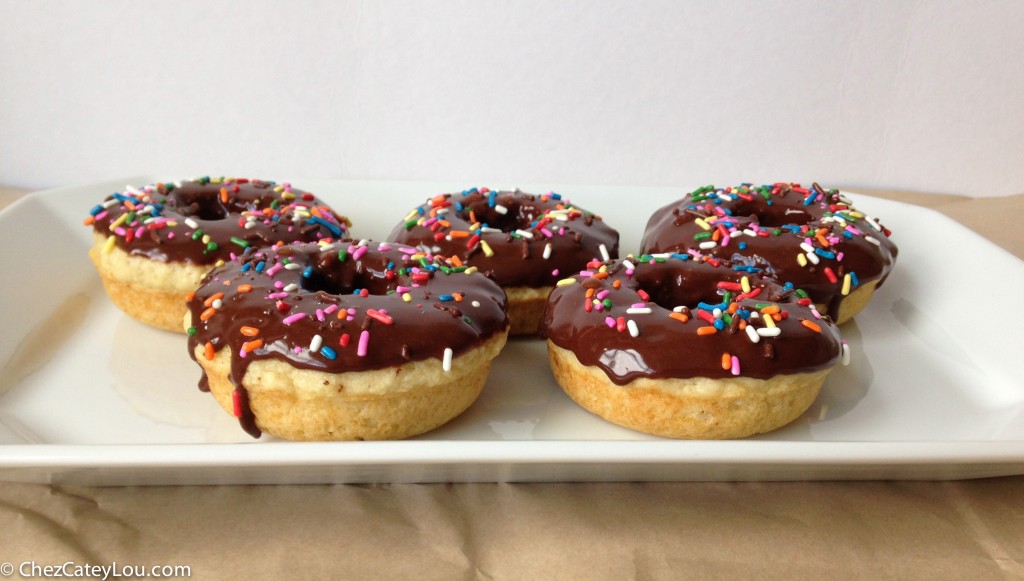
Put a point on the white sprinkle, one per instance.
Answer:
(769, 331)
(291, 288)
(634, 331)
(629, 265)
(547, 251)
(524, 233)
(441, 212)
(191, 223)
(873, 222)
(490, 230)
(475, 303)
(329, 247)
(754, 337)
(873, 240)
(638, 311)
(807, 248)
(250, 225)
(604, 253)
(446, 363)
(132, 190)
(708, 245)
(315, 344)
(217, 304)
(846, 354)
(500, 209)
(678, 309)
(292, 266)
(812, 257)
(717, 313)
(749, 232)
(111, 203)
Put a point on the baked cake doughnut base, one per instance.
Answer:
(695, 408)
(526, 309)
(854, 302)
(147, 291)
(383, 404)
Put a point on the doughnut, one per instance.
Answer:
(685, 347)
(812, 238)
(344, 340)
(526, 242)
(152, 246)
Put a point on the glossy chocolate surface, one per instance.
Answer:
(520, 239)
(341, 307)
(208, 220)
(771, 227)
(591, 317)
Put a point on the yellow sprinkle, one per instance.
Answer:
(566, 282)
(769, 321)
(604, 268)
(172, 223)
(108, 245)
(417, 256)
(216, 180)
(206, 239)
(411, 215)
(120, 220)
(855, 214)
(219, 263)
(278, 189)
(745, 284)
(487, 248)
(700, 222)
(470, 270)
(800, 258)
(287, 196)
(846, 284)
(406, 297)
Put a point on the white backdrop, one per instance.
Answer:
(923, 96)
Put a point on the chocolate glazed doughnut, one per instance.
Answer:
(345, 341)
(153, 245)
(526, 242)
(813, 238)
(688, 348)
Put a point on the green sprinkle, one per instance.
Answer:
(702, 236)
(239, 242)
(342, 256)
(197, 234)
(192, 330)
(800, 293)
(410, 224)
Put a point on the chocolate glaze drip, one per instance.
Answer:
(788, 215)
(518, 258)
(668, 348)
(170, 223)
(292, 294)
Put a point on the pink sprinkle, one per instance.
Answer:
(102, 215)
(320, 315)
(601, 295)
(638, 305)
(119, 231)
(364, 340)
(359, 252)
(586, 274)
(610, 322)
(839, 256)
(294, 318)
(430, 222)
(275, 296)
(547, 233)
(384, 247)
(725, 240)
(274, 269)
(401, 289)
(140, 231)
(554, 272)
(407, 250)
(735, 365)
(242, 353)
(278, 285)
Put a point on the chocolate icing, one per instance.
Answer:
(337, 291)
(220, 208)
(668, 348)
(529, 223)
(788, 215)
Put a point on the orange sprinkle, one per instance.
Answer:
(250, 346)
(726, 360)
(770, 310)
(129, 205)
(472, 217)
(190, 296)
(208, 351)
(733, 307)
(249, 331)
(212, 298)
(207, 314)
(457, 297)
(459, 234)
(680, 317)
(706, 331)
(244, 288)
(456, 260)
(224, 195)
(89, 221)
(616, 284)
(810, 325)
(601, 275)
(821, 239)
(590, 293)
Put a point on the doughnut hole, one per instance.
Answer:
(772, 216)
(332, 276)
(669, 289)
(518, 214)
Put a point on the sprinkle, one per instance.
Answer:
(604, 253)
(846, 284)
(236, 402)
(315, 343)
(250, 346)
(810, 325)
(244, 288)
(735, 365)
(446, 362)
(706, 331)
(290, 319)
(634, 331)
(500, 209)
(679, 317)
(379, 316)
(801, 259)
(638, 311)
(108, 245)
(752, 334)
(566, 282)
(547, 251)
(240, 242)
(831, 275)
(768, 331)
(207, 314)
(726, 360)
(486, 248)
(328, 352)
(708, 245)
(208, 351)
(364, 340)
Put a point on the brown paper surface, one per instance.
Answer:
(795, 530)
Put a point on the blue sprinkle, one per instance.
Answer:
(681, 256)
(356, 291)
(122, 197)
(788, 286)
(847, 234)
(334, 229)
(491, 199)
(708, 307)
(719, 324)
(246, 267)
(743, 313)
(260, 266)
(328, 352)
(556, 196)
(810, 199)
(446, 298)
(853, 278)
(307, 272)
(96, 209)
(743, 245)
(458, 206)
(824, 253)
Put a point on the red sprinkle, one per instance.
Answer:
(831, 275)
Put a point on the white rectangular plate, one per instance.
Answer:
(90, 396)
